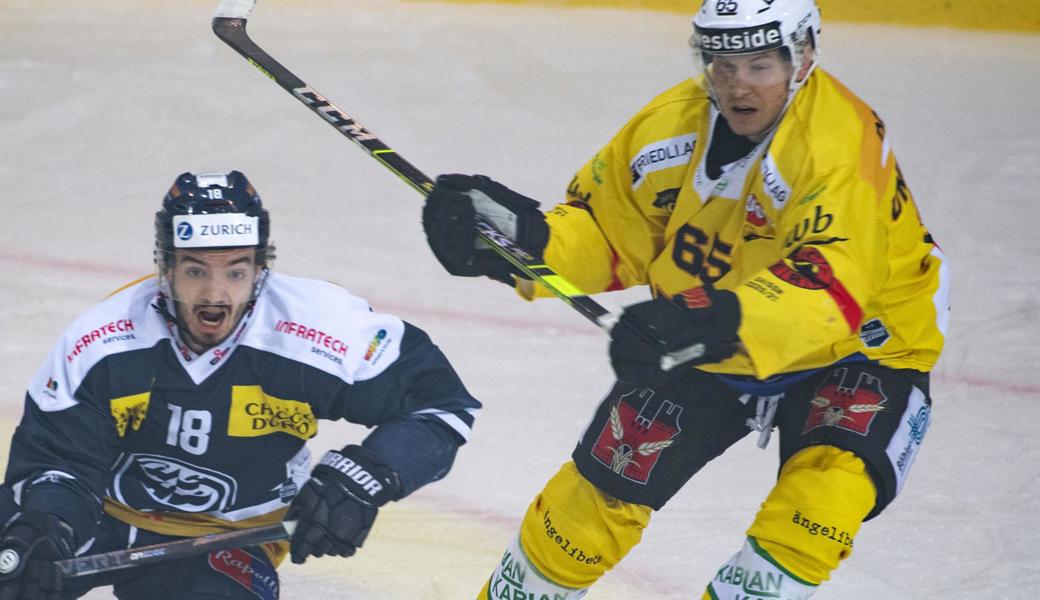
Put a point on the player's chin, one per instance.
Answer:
(744, 121)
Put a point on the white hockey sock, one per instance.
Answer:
(754, 575)
(516, 577)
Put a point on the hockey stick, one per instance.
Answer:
(143, 555)
(229, 24)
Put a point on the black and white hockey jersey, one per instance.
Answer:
(122, 411)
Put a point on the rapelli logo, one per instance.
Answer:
(848, 405)
(250, 572)
(254, 413)
(632, 440)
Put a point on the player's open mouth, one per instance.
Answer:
(211, 317)
(744, 110)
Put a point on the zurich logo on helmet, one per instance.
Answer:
(184, 231)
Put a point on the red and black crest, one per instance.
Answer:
(808, 269)
(850, 405)
(632, 439)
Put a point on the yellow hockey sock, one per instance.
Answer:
(571, 535)
(574, 533)
(810, 519)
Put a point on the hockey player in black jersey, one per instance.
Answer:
(182, 404)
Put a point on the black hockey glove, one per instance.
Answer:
(337, 507)
(29, 546)
(649, 330)
(449, 220)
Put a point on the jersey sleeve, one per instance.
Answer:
(831, 266)
(612, 225)
(586, 245)
(63, 446)
(419, 407)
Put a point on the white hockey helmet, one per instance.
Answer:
(731, 27)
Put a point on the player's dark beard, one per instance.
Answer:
(162, 306)
(231, 313)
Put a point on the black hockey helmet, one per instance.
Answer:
(212, 210)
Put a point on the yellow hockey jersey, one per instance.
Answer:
(815, 231)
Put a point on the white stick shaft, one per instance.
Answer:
(234, 9)
(673, 359)
(608, 321)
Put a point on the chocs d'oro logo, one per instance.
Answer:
(254, 413)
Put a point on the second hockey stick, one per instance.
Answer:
(131, 557)
(229, 24)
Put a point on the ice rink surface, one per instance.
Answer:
(101, 106)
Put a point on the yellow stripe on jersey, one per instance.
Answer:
(129, 285)
(197, 524)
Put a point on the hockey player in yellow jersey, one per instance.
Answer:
(761, 203)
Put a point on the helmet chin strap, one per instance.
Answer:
(795, 84)
(182, 330)
(166, 297)
(162, 306)
(792, 89)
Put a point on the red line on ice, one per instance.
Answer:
(128, 273)
(578, 328)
